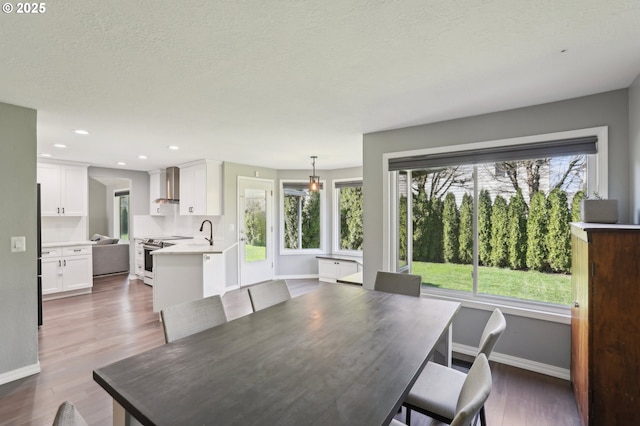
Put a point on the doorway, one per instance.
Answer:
(255, 229)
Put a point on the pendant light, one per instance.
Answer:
(314, 181)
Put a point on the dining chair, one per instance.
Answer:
(472, 395)
(438, 386)
(68, 415)
(188, 318)
(268, 294)
(399, 283)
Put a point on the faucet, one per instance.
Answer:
(210, 239)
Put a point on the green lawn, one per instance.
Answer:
(253, 253)
(527, 285)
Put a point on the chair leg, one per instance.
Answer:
(483, 419)
(407, 416)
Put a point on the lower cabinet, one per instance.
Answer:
(330, 270)
(139, 259)
(66, 269)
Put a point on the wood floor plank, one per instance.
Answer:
(116, 321)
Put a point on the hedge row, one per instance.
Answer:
(510, 233)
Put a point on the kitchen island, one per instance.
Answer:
(188, 271)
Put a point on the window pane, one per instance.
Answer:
(301, 219)
(255, 221)
(350, 221)
(524, 237)
(443, 227)
(403, 220)
(124, 217)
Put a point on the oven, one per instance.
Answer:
(149, 246)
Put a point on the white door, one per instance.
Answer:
(255, 229)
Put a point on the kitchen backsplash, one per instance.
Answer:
(188, 226)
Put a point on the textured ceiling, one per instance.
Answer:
(270, 83)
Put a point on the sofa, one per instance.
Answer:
(110, 256)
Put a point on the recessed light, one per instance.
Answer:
(81, 132)
(45, 155)
(173, 147)
(121, 163)
(142, 157)
(59, 145)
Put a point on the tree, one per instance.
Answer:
(311, 220)
(517, 231)
(450, 229)
(559, 234)
(351, 218)
(484, 227)
(499, 232)
(536, 233)
(465, 250)
(576, 206)
(291, 222)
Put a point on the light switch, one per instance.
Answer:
(18, 244)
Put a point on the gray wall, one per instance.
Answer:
(634, 152)
(138, 197)
(98, 219)
(540, 341)
(18, 297)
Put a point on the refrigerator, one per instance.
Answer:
(39, 245)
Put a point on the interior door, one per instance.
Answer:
(255, 229)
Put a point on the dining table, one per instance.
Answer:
(338, 355)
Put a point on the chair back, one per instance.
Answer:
(268, 294)
(474, 393)
(188, 318)
(395, 282)
(67, 415)
(492, 332)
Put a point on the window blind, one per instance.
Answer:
(121, 193)
(554, 148)
(348, 184)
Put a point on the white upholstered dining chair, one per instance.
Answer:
(438, 386)
(398, 283)
(472, 395)
(188, 318)
(269, 293)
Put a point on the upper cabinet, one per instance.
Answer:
(201, 188)
(63, 189)
(157, 189)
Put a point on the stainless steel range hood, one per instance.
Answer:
(172, 183)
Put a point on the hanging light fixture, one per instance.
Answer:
(314, 181)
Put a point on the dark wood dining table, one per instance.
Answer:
(339, 355)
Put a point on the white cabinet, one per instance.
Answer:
(329, 270)
(201, 188)
(63, 189)
(158, 189)
(139, 258)
(67, 269)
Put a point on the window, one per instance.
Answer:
(348, 235)
(121, 214)
(301, 219)
(481, 233)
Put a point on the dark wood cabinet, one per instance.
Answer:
(605, 323)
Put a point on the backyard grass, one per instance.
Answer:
(526, 285)
(253, 253)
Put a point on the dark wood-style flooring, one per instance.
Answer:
(116, 321)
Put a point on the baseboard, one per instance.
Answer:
(232, 287)
(19, 373)
(525, 364)
(297, 277)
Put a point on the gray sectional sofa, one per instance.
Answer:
(109, 255)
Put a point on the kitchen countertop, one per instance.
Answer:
(194, 246)
(68, 243)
